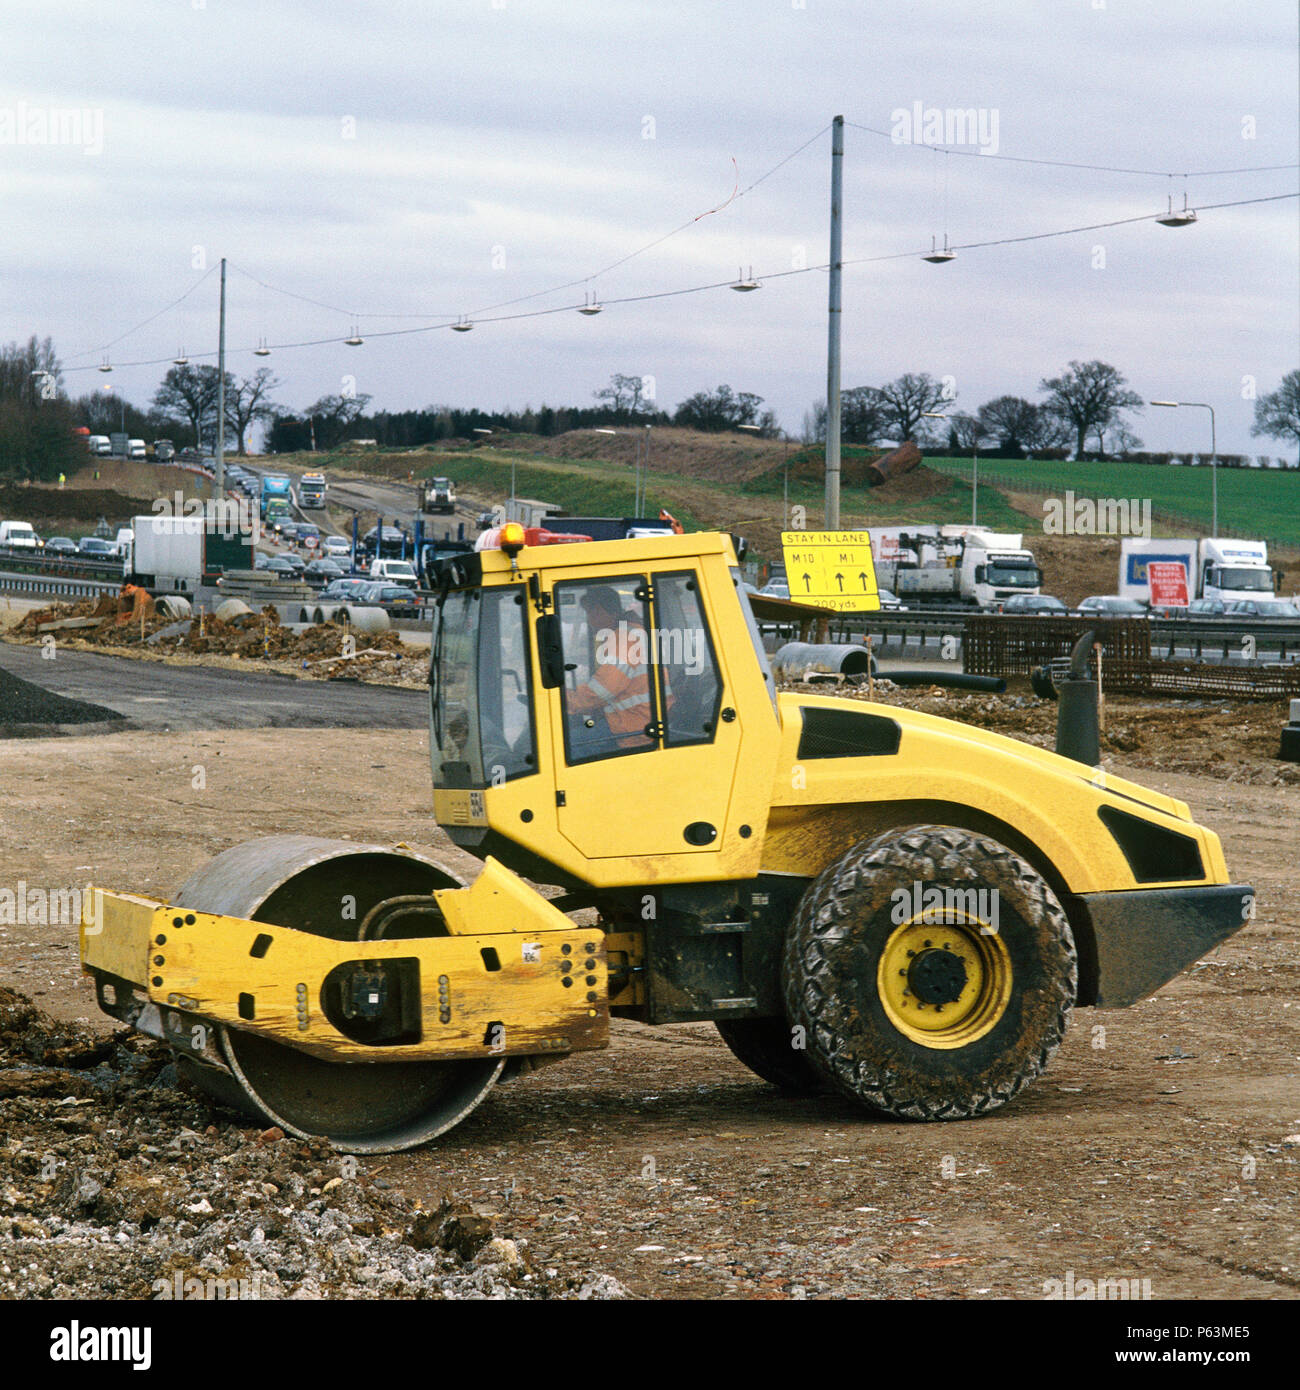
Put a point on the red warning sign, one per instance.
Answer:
(1168, 580)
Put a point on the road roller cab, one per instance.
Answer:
(862, 897)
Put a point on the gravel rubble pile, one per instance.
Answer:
(22, 704)
(116, 1184)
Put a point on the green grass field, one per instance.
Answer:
(1255, 504)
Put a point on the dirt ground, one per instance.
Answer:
(1162, 1144)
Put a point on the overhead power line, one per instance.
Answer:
(726, 284)
(1068, 164)
(145, 324)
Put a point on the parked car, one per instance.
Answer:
(1263, 608)
(1206, 608)
(775, 588)
(307, 535)
(281, 566)
(1110, 606)
(286, 530)
(395, 572)
(342, 590)
(337, 548)
(891, 603)
(390, 595)
(1036, 603)
(93, 547)
(61, 544)
(322, 571)
(296, 562)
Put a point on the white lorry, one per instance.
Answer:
(953, 565)
(19, 534)
(439, 496)
(1216, 569)
(176, 554)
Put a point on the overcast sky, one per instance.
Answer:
(429, 159)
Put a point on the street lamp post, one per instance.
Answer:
(642, 471)
(638, 500)
(1214, 460)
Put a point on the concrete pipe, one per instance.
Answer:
(174, 606)
(370, 620)
(799, 660)
(230, 609)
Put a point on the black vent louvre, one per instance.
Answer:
(841, 733)
(1154, 854)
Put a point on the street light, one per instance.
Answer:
(637, 499)
(1214, 460)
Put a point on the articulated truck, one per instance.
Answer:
(1218, 569)
(945, 566)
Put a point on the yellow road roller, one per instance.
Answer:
(863, 898)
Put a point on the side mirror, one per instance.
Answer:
(550, 650)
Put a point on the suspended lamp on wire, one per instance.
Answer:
(938, 257)
(1185, 218)
(743, 285)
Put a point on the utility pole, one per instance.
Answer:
(833, 329)
(644, 473)
(219, 483)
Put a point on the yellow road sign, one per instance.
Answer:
(831, 568)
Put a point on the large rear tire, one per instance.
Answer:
(924, 1016)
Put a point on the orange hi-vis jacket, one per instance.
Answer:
(621, 692)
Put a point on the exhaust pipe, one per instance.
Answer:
(1078, 731)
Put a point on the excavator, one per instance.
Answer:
(863, 898)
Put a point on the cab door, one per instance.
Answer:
(646, 739)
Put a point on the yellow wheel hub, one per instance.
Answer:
(944, 984)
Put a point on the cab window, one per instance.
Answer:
(640, 673)
(607, 696)
(688, 670)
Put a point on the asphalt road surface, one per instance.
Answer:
(150, 695)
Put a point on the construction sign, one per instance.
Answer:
(832, 569)
(1168, 580)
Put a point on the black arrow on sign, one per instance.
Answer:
(863, 576)
(840, 580)
(807, 583)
